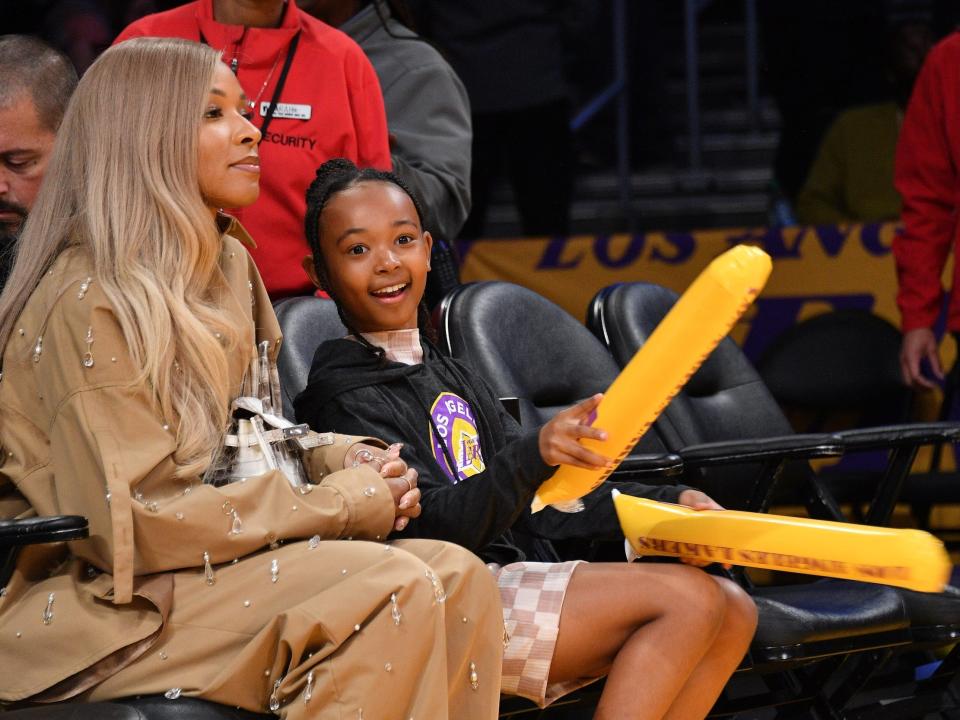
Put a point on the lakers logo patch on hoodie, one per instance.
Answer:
(453, 426)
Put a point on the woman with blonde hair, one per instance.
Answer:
(128, 322)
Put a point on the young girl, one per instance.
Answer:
(667, 636)
(126, 327)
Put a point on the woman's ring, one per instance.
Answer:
(364, 456)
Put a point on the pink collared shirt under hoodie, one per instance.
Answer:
(402, 346)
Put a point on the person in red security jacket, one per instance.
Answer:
(328, 104)
(926, 176)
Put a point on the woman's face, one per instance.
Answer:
(229, 163)
(376, 254)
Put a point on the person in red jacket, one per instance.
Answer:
(927, 176)
(314, 96)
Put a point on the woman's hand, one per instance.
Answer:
(361, 454)
(697, 500)
(403, 484)
(401, 480)
(559, 438)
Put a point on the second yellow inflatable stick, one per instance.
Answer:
(699, 320)
(906, 558)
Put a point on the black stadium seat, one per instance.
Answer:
(306, 322)
(727, 399)
(543, 359)
(152, 707)
(860, 374)
(77, 711)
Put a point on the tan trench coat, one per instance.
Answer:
(319, 628)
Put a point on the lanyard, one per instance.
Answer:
(281, 81)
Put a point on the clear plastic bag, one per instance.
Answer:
(260, 439)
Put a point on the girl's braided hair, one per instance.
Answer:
(333, 177)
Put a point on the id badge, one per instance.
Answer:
(288, 111)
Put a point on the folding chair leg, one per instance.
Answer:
(864, 666)
(781, 691)
(890, 486)
(812, 685)
(820, 502)
(764, 485)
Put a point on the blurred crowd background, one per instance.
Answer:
(769, 79)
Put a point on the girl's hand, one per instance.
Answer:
(559, 437)
(697, 500)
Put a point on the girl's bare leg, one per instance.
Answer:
(730, 645)
(649, 628)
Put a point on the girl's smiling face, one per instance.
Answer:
(376, 254)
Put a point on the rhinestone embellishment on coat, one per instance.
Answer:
(395, 609)
(48, 610)
(438, 592)
(88, 355)
(208, 570)
(236, 526)
(275, 697)
(308, 691)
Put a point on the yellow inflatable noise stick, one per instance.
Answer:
(910, 559)
(698, 321)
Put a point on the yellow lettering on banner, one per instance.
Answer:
(772, 561)
(884, 573)
(903, 557)
(830, 261)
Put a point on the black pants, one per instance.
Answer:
(533, 147)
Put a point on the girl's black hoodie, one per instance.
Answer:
(446, 415)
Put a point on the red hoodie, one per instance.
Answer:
(927, 176)
(330, 79)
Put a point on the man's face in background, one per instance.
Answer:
(25, 145)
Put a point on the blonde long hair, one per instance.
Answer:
(122, 182)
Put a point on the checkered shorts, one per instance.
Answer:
(532, 597)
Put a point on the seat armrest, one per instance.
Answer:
(785, 447)
(648, 466)
(92, 711)
(46, 529)
(904, 435)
